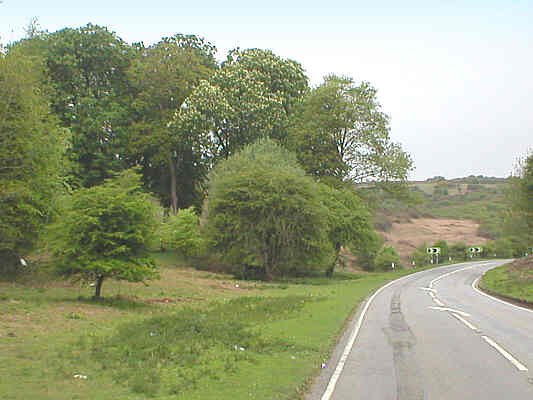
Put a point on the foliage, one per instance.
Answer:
(31, 148)
(265, 213)
(386, 257)
(458, 251)
(420, 256)
(162, 76)
(519, 219)
(444, 250)
(348, 223)
(87, 68)
(181, 232)
(340, 131)
(105, 232)
(233, 108)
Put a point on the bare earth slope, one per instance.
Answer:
(405, 237)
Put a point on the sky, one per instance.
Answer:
(455, 77)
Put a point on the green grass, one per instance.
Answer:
(513, 280)
(191, 335)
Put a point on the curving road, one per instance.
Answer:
(431, 335)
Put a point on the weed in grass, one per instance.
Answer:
(173, 353)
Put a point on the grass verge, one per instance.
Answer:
(191, 335)
(513, 281)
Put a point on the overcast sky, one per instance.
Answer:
(456, 77)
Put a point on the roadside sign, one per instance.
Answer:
(433, 250)
(475, 249)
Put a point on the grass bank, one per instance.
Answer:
(191, 335)
(514, 280)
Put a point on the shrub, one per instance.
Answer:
(386, 257)
(265, 213)
(181, 232)
(105, 232)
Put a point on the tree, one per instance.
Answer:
(232, 109)
(284, 78)
(31, 148)
(87, 67)
(265, 213)
(105, 231)
(518, 221)
(340, 131)
(348, 222)
(162, 76)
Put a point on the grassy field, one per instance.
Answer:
(513, 280)
(189, 335)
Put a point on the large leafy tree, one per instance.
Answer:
(283, 77)
(31, 148)
(232, 109)
(264, 213)
(518, 223)
(105, 232)
(87, 67)
(250, 97)
(340, 131)
(162, 76)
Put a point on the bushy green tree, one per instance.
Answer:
(386, 257)
(105, 231)
(161, 77)
(265, 213)
(181, 232)
(31, 148)
(348, 223)
(340, 131)
(87, 68)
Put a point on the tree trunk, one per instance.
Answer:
(173, 190)
(331, 268)
(98, 288)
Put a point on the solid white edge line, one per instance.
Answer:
(474, 286)
(519, 366)
(348, 348)
(464, 321)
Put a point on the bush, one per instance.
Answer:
(265, 213)
(105, 231)
(420, 256)
(386, 257)
(458, 251)
(181, 232)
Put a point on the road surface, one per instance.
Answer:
(431, 335)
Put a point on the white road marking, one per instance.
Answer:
(519, 366)
(348, 348)
(438, 278)
(464, 321)
(452, 310)
(428, 289)
(474, 286)
(436, 299)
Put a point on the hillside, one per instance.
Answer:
(468, 210)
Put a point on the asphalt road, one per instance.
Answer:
(432, 336)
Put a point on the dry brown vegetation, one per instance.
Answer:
(406, 236)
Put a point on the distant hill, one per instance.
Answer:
(469, 209)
